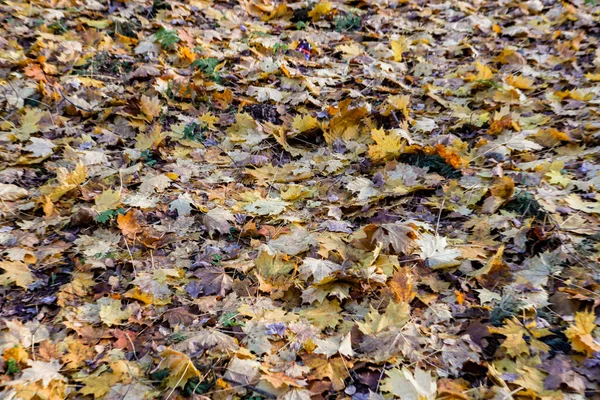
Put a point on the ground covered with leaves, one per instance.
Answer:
(251, 199)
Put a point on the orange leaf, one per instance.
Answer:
(128, 223)
(402, 285)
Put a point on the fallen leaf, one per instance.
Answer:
(10, 192)
(129, 223)
(218, 220)
(580, 333)
(107, 200)
(180, 366)
(434, 249)
(150, 106)
(386, 147)
(40, 147)
(404, 384)
(16, 272)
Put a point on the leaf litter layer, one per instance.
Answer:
(254, 199)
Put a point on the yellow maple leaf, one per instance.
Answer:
(75, 178)
(304, 123)
(107, 200)
(147, 298)
(351, 49)
(577, 203)
(399, 103)
(181, 367)
(593, 77)
(111, 312)
(396, 314)
(98, 386)
(483, 71)
(146, 141)
(186, 54)
(319, 10)
(557, 178)
(399, 47)
(386, 147)
(327, 314)
(209, 119)
(150, 106)
(580, 333)
(29, 124)
(581, 94)
(519, 82)
(295, 192)
(514, 344)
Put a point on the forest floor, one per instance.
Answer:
(257, 199)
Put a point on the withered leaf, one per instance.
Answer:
(212, 280)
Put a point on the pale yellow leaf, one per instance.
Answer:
(16, 272)
(107, 200)
(150, 106)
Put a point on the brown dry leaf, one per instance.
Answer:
(335, 369)
(213, 280)
(398, 237)
(218, 220)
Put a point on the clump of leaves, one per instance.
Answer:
(208, 67)
(216, 259)
(108, 215)
(587, 246)
(507, 308)
(524, 204)
(193, 132)
(228, 320)
(58, 27)
(279, 46)
(193, 385)
(148, 157)
(166, 38)
(434, 162)
(177, 337)
(347, 22)
(12, 368)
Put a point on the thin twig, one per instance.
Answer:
(248, 386)
(179, 381)
(72, 103)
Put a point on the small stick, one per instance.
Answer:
(73, 104)
(254, 389)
